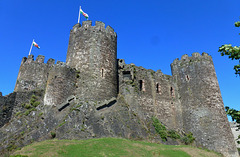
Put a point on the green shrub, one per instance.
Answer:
(173, 134)
(11, 147)
(53, 134)
(160, 128)
(26, 113)
(34, 97)
(18, 113)
(23, 104)
(188, 138)
(36, 103)
(27, 106)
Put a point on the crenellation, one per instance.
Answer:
(99, 25)
(24, 59)
(86, 24)
(40, 59)
(196, 54)
(61, 63)
(188, 60)
(110, 30)
(30, 58)
(76, 27)
(51, 62)
(204, 54)
(185, 57)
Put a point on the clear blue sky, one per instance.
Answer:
(150, 33)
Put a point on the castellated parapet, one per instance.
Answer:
(188, 101)
(92, 51)
(33, 74)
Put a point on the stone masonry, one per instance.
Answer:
(100, 85)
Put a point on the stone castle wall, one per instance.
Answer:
(154, 92)
(60, 85)
(92, 51)
(189, 100)
(202, 106)
(6, 108)
(32, 74)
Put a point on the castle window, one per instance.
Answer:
(102, 72)
(187, 78)
(141, 85)
(158, 88)
(127, 75)
(172, 92)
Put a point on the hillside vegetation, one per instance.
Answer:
(106, 147)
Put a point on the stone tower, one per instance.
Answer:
(202, 105)
(33, 74)
(92, 50)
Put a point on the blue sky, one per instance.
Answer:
(150, 33)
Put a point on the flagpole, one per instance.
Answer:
(31, 48)
(79, 14)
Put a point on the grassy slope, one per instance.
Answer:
(109, 147)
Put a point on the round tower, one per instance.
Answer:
(202, 104)
(92, 50)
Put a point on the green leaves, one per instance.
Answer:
(232, 52)
(233, 113)
(237, 24)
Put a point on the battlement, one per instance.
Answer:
(99, 27)
(185, 59)
(40, 59)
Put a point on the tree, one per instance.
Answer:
(235, 117)
(232, 52)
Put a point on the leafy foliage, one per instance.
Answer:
(173, 134)
(232, 52)
(188, 138)
(160, 128)
(235, 114)
(164, 133)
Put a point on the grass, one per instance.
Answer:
(110, 147)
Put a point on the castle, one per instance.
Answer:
(188, 101)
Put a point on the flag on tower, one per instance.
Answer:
(36, 45)
(84, 14)
(33, 44)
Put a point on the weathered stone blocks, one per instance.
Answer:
(92, 51)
